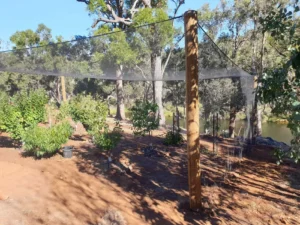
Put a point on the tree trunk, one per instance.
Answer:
(120, 97)
(233, 112)
(259, 111)
(156, 68)
(259, 121)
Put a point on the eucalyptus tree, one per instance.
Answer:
(117, 57)
(116, 14)
(123, 14)
(25, 40)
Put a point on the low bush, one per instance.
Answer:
(174, 138)
(64, 111)
(42, 141)
(90, 112)
(144, 118)
(108, 140)
(22, 111)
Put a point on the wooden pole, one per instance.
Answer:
(63, 88)
(192, 108)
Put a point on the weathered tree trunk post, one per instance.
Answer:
(120, 97)
(63, 88)
(192, 108)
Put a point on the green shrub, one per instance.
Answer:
(31, 106)
(3, 103)
(173, 138)
(90, 112)
(144, 118)
(108, 140)
(46, 141)
(13, 122)
(64, 111)
(22, 112)
(279, 154)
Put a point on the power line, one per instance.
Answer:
(130, 29)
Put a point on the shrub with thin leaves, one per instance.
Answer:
(64, 111)
(90, 112)
(107, 140)
(173, 138)
(22, 111)
(144, 118)
(42, 141)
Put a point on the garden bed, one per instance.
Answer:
(154, 191)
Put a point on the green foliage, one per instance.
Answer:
(173, 138)
(159, 35)
(144, 118)
(108, 140)
(12, 122)
(97, 5)
(216, 96)
(118, 52)
(27, 38)
(280, 87)
(43, 141)
(22, 112)
(31, 106)
(90, 112)
(279, 153)
(64, 111)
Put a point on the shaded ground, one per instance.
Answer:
(75, 191)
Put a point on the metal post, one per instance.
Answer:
(192, 108)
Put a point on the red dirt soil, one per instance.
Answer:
(79, 190)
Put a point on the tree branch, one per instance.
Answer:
(181, 2)
(116, 18)
(280, 53)
(84, 1)
(147, 3)
(142, 73)
(133, 10)
(170, 53)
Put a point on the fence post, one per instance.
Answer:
(63, 88)
(192, 108)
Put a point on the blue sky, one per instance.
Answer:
(65, 17)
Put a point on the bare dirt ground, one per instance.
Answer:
(79, 190)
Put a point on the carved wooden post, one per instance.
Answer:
(192, 108)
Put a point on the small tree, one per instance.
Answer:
(90, 112)
(144, 118)
(107, 140)
(22, 111)
(42, 141)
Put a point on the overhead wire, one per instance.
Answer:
(130, 29)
